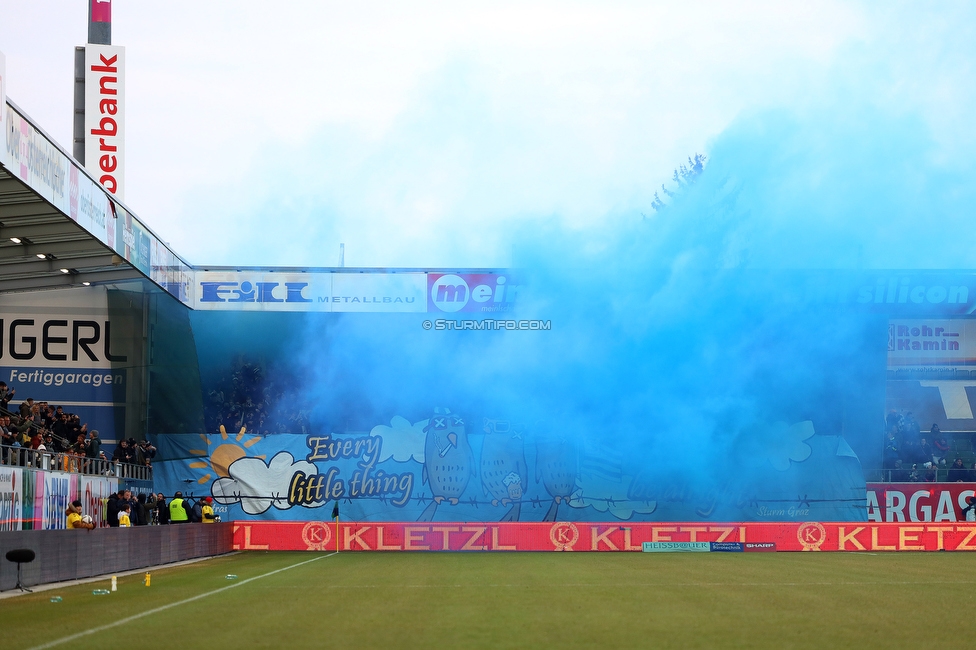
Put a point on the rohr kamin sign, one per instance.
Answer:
(105, 116)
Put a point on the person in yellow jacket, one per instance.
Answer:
(76, 519)
(124, 521)
(177, 512)
(207, 511)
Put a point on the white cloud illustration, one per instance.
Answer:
(257, 486)
(785, 443)
(402, 441)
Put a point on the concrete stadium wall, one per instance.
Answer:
(72, 554)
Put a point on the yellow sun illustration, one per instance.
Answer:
(223, 455)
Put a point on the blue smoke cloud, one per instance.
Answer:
(686, 352)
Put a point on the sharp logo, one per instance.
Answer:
(253, 292)
(481, 292)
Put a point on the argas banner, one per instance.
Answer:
(600, 536)
(920, 502)
(445, 468)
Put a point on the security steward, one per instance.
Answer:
(177, 513)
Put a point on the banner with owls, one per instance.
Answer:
(454, 467)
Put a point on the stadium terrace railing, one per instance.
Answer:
(54, 461)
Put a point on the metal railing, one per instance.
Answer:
(920, 475)
(64, 462)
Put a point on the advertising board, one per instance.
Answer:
(302, 292)
(57, 347)
(11, 498)
(918, 502)
(105, 116)
(471, 292)
(570, 536)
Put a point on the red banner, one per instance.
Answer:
(918, 502)
(101, 11)
(577, 536)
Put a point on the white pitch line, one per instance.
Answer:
(101, 628)
(648, 584)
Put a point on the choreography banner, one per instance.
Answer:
(445, 468)
(603, 536)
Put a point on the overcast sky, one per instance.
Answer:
(421, 133)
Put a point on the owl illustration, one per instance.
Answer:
(556, 466)
(448, 459)
(503, 471)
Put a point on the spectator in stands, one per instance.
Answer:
(196, 512)
(6, 438)
(21, 429)
(121, 452)
(80, 446)
(25, 407)
(6, 394)
(75, 517)
(899, 474)
(60, 427)
(957, 472)
(925, 451)
(93, 449)
(891, 451)
(137, 456)
(931, 474)
(162, 510)
(148, 451)
(940, 446)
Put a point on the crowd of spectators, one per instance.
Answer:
(911, 455)
(249, 396)
(41, 427)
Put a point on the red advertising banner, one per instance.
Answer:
(921, 502)
(577, 536)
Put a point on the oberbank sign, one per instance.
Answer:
(316, 291)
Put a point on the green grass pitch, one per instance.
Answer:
(520, 600)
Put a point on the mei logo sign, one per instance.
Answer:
(480, 292)
(104, 115)
(253, 292)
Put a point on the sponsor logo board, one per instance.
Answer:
(672, 537)
(471, 292)
(105, 116)
(329, 292)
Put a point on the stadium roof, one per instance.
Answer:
(42, 248)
